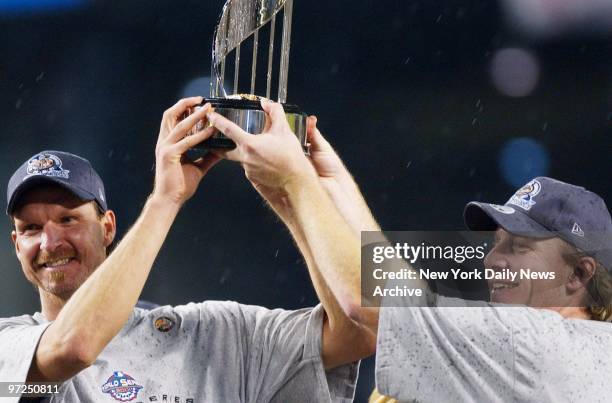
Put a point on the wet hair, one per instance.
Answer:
(599, 288)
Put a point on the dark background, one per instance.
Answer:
(402, 89)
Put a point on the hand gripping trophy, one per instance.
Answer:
(240, 21)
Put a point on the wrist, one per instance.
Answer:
(303, 181)
(163, 204)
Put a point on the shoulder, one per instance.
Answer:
(230, 314)
(594, 326)
(583, 332)
(226, 315)
(23, 320)
(228, 309)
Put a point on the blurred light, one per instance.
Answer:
(547, 18)
(515, 72)
(522, 159)
(197, 87)
(37, 6)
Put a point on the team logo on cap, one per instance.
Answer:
(524, 196)
(576, 230)
(47, 165)
(121, 387)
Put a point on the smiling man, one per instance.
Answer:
(90, 339)
(549, 345)
(62, 224)
(553, 239)
(537, 274)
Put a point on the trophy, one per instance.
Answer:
(243, 24)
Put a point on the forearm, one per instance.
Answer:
(101, 306)
(344, 340)
(335, 313)
(334, 246)
(347, 197)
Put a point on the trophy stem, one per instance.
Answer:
(225, 30)
(236, 69)
(254, 65)
(270, 56)
(213, 81)
(222, 78)
(284, 64)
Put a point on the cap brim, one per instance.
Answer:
(488, 217)
(38, 180)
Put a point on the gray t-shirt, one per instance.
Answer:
(206, 352)
(487, 353)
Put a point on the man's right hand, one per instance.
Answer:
(176, 178)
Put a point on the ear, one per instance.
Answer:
(14, 239)
(583, 272)
(110, 227)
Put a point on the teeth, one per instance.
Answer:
(59, 262)
(499, 286)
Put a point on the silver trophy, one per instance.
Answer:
(243, 23)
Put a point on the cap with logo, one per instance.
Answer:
(545, 208)
(67, 170)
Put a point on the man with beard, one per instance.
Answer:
(89, 336)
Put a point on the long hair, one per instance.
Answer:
(599, 288)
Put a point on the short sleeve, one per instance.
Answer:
(19, 338)
(452, 353)
(278, 353)
(311, 382)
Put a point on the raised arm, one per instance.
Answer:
(275, 164)
(348, 199)
(97, 311)
(338, 182)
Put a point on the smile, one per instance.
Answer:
(500, 286)
(58, 263)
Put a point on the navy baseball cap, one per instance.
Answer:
(546, 208)
(67, 170)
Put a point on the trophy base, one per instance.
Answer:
(251, 118)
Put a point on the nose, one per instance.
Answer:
(51, 238)
(496, 260)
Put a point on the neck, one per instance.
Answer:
(573, 312)
(51, 304)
